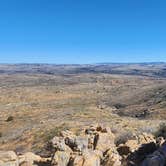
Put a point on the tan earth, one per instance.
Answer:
(37, 102)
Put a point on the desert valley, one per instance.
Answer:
(39, 101)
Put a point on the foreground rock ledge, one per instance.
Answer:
(94, 147)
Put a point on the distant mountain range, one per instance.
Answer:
(152, 69)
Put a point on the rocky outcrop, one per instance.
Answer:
(134, 144)
(112, 158)
(94, 147)
(60, 158)
(8, 158)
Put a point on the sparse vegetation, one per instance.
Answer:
(161, 131)
(122, 138)
(47, 135)
(36, 104)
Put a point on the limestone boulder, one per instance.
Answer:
(77, 161)
(29, 159)
(60, 158)
(58, 143)
(103, 141)
(90, 158)
(81, 143)
(8, 158)
(112, 158)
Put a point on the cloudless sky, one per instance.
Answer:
(82, 31)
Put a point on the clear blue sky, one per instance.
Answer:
(82, 31)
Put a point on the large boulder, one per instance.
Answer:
(29, 159)
(103, 141)
(77, 161)
(8, 158)
(60, 158)
(58, 143)
(88, 158)
(76, 143)
(81, 143)
(100, 137)
(91, 158)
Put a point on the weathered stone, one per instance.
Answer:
(91, 141)
(29, 159)
(78, 161)
(95, 147)
(61, 158)
(81, 143)
(77, 143)
(112, 158)
(59, 144)
(103, 141)
(90, 158)
(8, 158)
(133, 144)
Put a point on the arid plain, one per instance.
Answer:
(39, 100)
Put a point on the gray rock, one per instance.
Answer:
(59, 144)
(81, 143)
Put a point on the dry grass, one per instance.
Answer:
(41, 104)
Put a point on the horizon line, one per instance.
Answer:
(93, 63)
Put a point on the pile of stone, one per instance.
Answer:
(93, 147)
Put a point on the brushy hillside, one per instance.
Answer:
(37, 101)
